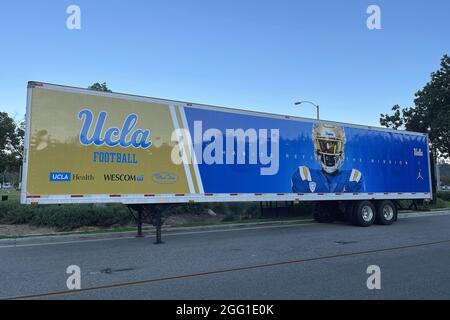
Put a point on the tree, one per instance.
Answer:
(431, 111)
(11, 145)
(100, 87)
(444, 169)
(445, 181)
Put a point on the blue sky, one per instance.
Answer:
(257, 55)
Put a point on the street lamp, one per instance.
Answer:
(315, 105)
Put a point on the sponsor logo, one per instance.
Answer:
(418, 152)
(83, 177)
(312, 186)
(67, 177)
(419, 175)
(126, 136)
(164, 177)
(115, 157)
(120, 177)
(60, 176)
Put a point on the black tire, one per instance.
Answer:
(349, 209)
(324, 212)
(386, 212)
(364, 213)
(340, 210)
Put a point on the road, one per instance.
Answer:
(309, 261)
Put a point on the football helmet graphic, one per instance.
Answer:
(329, 152)
(329, 142)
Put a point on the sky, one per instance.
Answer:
(256, 55)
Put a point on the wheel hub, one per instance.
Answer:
(388, 213)
(367, 213)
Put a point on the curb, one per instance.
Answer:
(150, 231)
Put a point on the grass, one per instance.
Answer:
(441, 204)
(444, 195)
(13, 195)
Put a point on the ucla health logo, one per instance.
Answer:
(60, 176)
(126, 136)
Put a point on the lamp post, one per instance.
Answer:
(309, 102)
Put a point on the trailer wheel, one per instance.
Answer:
(324, 212)
(386, 212)
(364, 213)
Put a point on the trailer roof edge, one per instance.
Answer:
(121, 95)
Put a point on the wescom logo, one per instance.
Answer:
(118, 177)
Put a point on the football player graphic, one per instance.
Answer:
(329, 146)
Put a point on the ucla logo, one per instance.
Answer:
(418, 152)
(60, 177)
(125, 137)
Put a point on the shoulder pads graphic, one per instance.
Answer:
(305, 174)
(355, 176)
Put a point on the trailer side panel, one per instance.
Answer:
(84, 146)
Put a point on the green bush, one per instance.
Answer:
(69, 217)
(64, 217)
(441, 204)
(444, 195)
(191, 208)
(229, 217)
(14, 213)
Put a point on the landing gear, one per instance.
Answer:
(157, 223)
(154, 214)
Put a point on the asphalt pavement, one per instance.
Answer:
(285, 261)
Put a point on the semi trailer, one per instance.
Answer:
(86, 146)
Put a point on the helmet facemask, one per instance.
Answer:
(329, 147)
